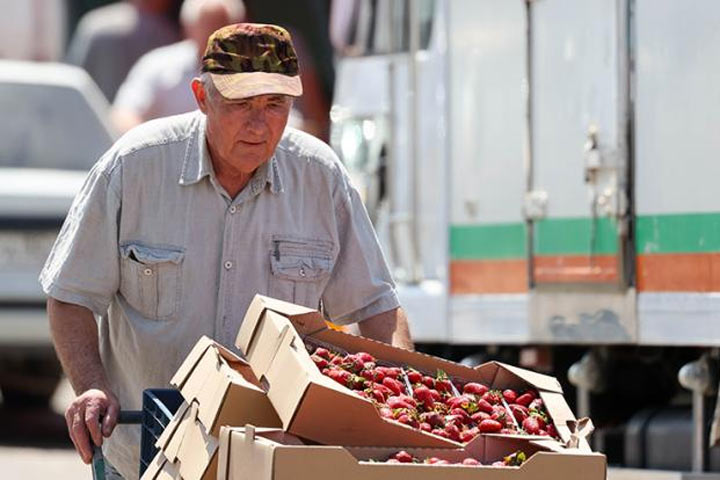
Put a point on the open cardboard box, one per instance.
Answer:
(224, 388)
(187, 450)
(273, 338)
(219, 389)
(270, 454)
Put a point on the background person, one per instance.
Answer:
(158, 85)
(110, 39)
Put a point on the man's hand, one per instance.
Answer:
(389, 327)
(75, 336)
(83, 418)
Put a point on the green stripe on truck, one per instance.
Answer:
(676, 233)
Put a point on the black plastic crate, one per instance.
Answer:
(158, 408)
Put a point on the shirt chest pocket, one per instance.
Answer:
(299, 269)
(151, 279)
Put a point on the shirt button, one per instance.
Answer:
(148, 271)
(228, 265)
(302, 271)
(233, 209)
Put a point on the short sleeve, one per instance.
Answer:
(360, 285)
(83, 266)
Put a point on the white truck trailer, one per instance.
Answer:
(543, 176)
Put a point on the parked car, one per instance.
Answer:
(53, 127)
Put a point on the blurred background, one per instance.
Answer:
(542, 176)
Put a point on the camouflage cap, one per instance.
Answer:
(249, 59)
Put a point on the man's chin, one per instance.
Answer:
(251, 160)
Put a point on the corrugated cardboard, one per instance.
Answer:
(273, 336)
(264, 454)
(161, 469)
(187, 450)
(224, 388)
(219, 389)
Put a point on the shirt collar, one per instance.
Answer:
(197, 164)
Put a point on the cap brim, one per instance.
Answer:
(235, 86)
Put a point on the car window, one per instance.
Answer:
(49, 126)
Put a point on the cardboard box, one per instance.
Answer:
(273, 337)
(224, 388)
(187, 450)
(265, 454)
(219, 389)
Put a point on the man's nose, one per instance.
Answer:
(256, 121)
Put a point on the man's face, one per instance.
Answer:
(243, 133)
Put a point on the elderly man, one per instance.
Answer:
(157, 85)
(186, 218)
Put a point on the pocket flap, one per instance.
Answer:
(300, 267)
(151, 255)
(300, 259)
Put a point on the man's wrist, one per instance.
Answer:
(92, 384)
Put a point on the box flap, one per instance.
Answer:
(190, 361)
(506, 376)
(172, 427)
(288, 378)
(538, 380)
(243, 406)
(204, 353)
(197, 452)
(255, 312)
(161, 469)
(211, 399)
(174, 443)
(248, 454)
(223, 454)
(269, 332)
(189, 448)
(560, 412)
(210, 375)
(580, 430)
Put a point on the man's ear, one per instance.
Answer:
(200, 94)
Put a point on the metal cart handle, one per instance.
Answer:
(125, 417)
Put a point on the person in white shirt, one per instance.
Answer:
(158, 84)
(109, 39)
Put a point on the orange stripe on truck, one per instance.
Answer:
(659, 272)
(678, 272)
(488, 276)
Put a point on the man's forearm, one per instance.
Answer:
(389, 327)
(93, 414)
(75, 337)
